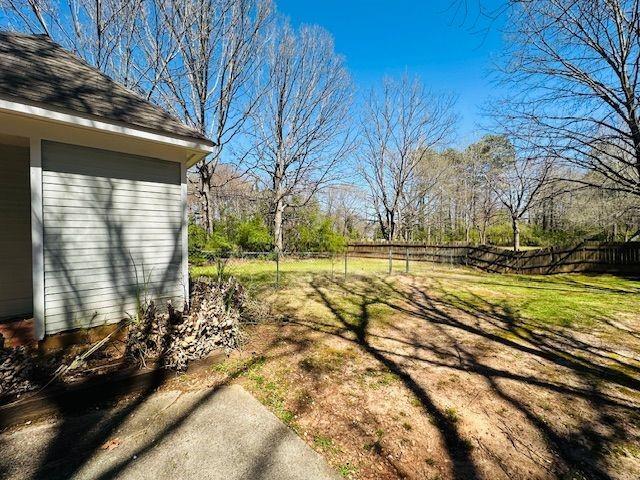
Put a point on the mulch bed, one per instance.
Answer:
(104, 383)
(156, 345)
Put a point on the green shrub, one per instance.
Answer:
(253, 235)
(327, 239)
(501, 234)
(317, 235)
(218, 242)
(314, 233)
(197, 237)
(200, 242)
(531, 236)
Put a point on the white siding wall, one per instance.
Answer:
(15, 238)
(113, 228)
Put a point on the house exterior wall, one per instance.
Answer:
(114, 233)
(37, 131)
(15, 239)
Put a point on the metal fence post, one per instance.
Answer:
(390, 261)
(346, 254)
(332, 259)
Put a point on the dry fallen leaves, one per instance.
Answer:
(111, 444)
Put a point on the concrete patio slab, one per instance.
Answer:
(212, 434)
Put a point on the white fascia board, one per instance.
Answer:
(45, 114)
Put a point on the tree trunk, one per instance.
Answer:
(216, 212)
(207, 208)
(391, 226)
(467, 230)
(383, 226)
(277, 226)
(204, 172)
(516, 235)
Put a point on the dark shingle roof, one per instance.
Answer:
(35, 69)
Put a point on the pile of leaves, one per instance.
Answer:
(212, 321)
(16, 370)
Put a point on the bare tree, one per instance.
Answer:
(487, 157)
(301, 125)
(344, 203)
(422, 192)
(102, 32)
(519, 181)
(575, 68)
(33, 16)
(399, 127)
(210, 81)
(197, 58)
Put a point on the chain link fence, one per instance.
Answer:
(270, 268)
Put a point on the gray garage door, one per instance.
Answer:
(113, 234)
(15, 237)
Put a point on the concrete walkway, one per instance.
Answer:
(223, 434)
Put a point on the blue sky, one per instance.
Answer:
(421, 37)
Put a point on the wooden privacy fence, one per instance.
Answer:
(622, 258)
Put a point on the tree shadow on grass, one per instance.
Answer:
(458, 449)
(589, 372)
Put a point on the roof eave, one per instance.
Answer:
(46, 113)
(195, 157)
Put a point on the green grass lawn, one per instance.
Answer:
(262, 273)
(568, 300)
(574, 300)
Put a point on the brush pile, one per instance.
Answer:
(175, 338)
(16, 370)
